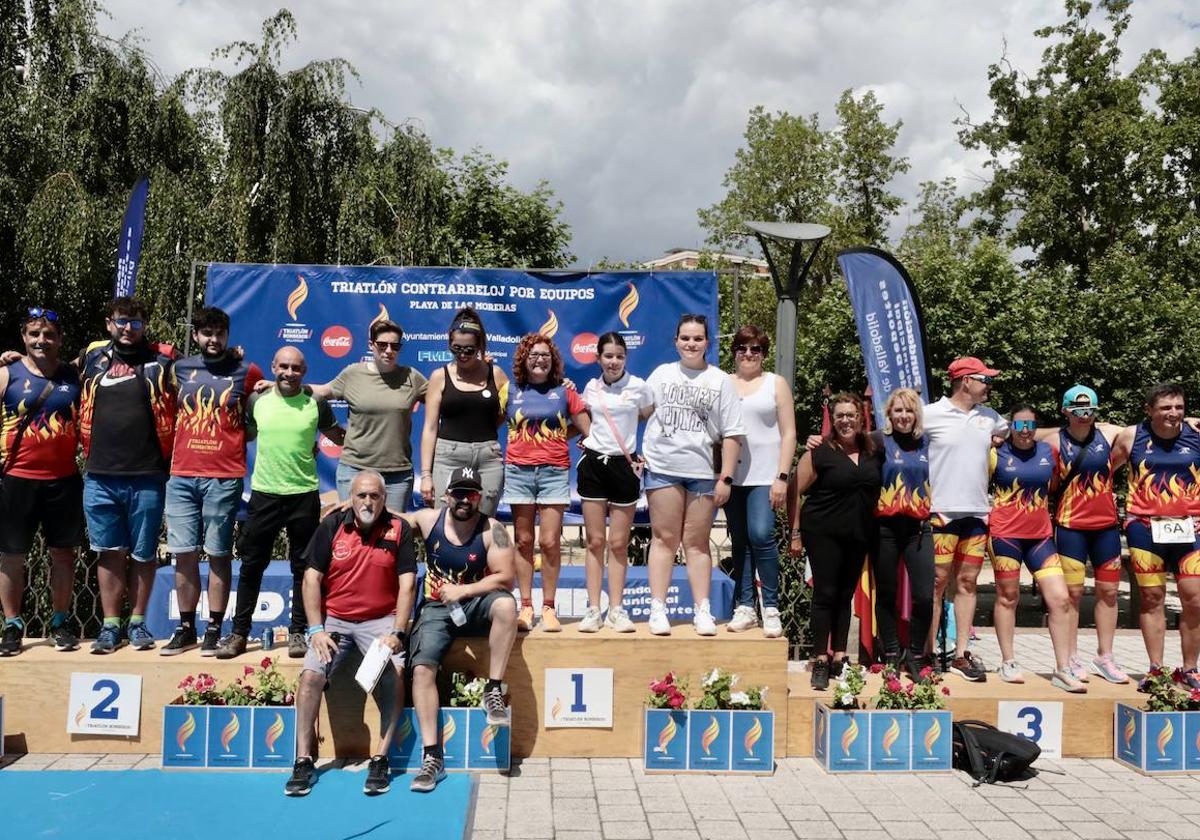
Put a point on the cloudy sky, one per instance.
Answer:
(633, 110)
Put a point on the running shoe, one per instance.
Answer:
(498, 713)
(702, 620)
(743, 619)
(301, 781)
(590, 623)
(1010, 672)
(231, 646)
(10, 639)
(140, 637)
(379, 776)
(820, 674)
(1106, 667)
(64, 637)
(969, 667)
(771, 623)
(618, 620)
(550, 622)
(1065, 680)
(211, 641)
(110, 639)
(524, 622)
(183, 639)
(297, 645)
(433, 770)
(836, 667)
(1078, 670)
(660, 625)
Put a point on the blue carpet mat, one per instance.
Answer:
(226, 805)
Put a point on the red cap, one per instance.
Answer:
(968, 365)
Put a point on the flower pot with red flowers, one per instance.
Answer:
(1163, 737)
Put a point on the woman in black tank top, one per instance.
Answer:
(462, 413)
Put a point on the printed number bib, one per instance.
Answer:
(1172, 529)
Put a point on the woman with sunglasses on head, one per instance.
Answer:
(541, 409)
(695, 407)
(760, 482)
(463, 410)
(609, 478)
(1023, 471)
(841, 479)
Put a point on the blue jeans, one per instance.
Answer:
(751, 521)
(397, 485)
(125, 513)
(201, 512)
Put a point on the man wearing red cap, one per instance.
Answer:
(960, 430)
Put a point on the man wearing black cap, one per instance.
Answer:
(467, 591)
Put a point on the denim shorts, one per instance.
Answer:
(696, 486)
(125, 512)
(539, 485)
(398, 485)
(434, 631)
(201, 512)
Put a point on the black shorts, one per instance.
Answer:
(26, 503)
(435, 630)
(607, 478)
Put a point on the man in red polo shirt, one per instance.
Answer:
(359, 586)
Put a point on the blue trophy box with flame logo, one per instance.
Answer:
(1156, 742)
(881, 740)
(229, 737)
(469, 742)
(708, 741)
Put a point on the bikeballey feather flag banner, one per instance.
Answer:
(129, 249)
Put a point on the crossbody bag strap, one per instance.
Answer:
(612, 425)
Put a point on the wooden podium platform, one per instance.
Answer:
(35, 685)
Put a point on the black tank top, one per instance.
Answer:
(445, 561)
(469, 416)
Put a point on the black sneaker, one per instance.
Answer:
(231, 647)
(379, 776)
(10, 639)
(297, 646)
(301, 781)
(184, 638)
(820, 674)
(836, 667)
(433, 770)
(497, 710)
(969, 668)
(64, 637)
(212, 640)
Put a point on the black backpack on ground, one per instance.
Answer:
(990, 755)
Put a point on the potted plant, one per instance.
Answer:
(665, 721)
(1165, 735)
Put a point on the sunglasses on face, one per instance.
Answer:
(389, 345)
(36, 312)
(979, 377)
(464, 495)
(132, 323)
(1083, 412)
(748, 349)
(463, 350)
(1024, 425)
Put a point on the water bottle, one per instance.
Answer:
(268, 639)
(456, 613)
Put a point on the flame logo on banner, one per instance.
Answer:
(185, 731)
(849, 737)
(556, 709)
(1130, 726)
(931, 735)
(891, 736)
(666, 735)
(81, 714)
(382, 316)
(628, 304)
(550, 328)
(710, 734)
(230, 731)
(1164, 736)
(274, 731)
(820, 727)
(448, 730)
(297, 297)
(405, 730)
(752, 735)
(485, 740)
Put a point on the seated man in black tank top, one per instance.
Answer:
(467, 591)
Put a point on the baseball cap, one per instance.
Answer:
(465, 478)
(967, 365)
(1079, 392)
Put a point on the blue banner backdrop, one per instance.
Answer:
(890, 327)
(129, 249)
(327, 310)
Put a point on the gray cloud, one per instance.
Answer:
(633, 111)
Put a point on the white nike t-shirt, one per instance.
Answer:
(959, 443)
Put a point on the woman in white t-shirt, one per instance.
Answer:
(695, 407)
(609, 478)
(759, 481)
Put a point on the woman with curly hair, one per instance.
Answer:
(540, 411)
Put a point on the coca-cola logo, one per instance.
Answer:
(336, 341)
(583, 348)
(328, 448)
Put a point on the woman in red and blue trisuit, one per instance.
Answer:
(1019, 532)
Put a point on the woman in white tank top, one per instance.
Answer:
(759, 481)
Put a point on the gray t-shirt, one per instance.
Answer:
(381, 406)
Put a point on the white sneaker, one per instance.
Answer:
(591, 621)
(702, 620)
(618, 620)
(1010, 672)
(660, 625)
(743, 619)
(772, 626)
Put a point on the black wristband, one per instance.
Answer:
(400, 634)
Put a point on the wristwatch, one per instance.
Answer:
(400, 634)
(782, 476)
(727, 480)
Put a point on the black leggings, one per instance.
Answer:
(836, 567)
(910, 540)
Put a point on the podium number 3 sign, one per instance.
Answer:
(1040, 722)
(580, 697)
(104, 704)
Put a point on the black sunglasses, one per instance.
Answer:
(388, 345)
(753, 349)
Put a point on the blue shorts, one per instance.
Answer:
(696, 486)
(201, 512)
(1037, 553)
(538, 485)
(125, 513)
(1102, 546)
(397, 485)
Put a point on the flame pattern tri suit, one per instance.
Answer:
(1086, 524)
(1020, 520)
(1164, 481)
(47, 449)
(151, 364)
(210, 433)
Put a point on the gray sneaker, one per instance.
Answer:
(140, 637)
(433, 770)
(1010, 672)
(297, 646)
(231, 646)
